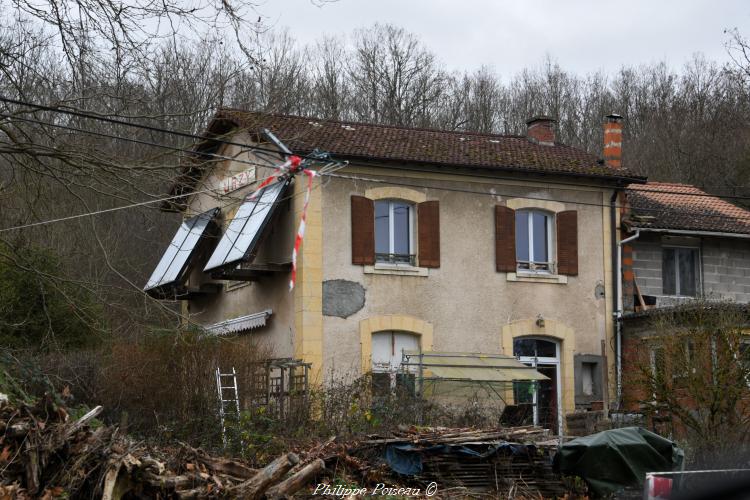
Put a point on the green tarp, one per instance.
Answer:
(610, 460)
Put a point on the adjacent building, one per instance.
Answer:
(682, 249)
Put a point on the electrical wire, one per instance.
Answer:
(136, 141)
(151, 128)
(516, 195)
(251, 148)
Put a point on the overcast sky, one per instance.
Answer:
(582, 35)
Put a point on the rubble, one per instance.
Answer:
(47, 453)
(515, 461)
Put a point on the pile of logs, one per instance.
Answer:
(45, 453)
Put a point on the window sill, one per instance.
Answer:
(537, 278)
(398, 270)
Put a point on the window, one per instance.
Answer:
(534, 241)
(394, 230)
(680, 271)
(536, 348)
(387, 354)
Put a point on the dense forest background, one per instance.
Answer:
(687, 122)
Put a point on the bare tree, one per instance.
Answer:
(694, 373)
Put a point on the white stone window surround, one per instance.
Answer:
(551, 207)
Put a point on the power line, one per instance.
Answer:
(158, 200)
(151, 128)
(251, 148)
(129, 139)
(516, 195)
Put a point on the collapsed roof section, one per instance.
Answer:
(242, 235)
(230, 259)
(174, 266)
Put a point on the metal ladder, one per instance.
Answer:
(229, 399)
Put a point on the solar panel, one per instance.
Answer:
(175, 262)
(245, 230)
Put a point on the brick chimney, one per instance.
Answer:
(541, 130)
(613, 141)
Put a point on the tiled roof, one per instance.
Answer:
(660, 205)
(348, 140)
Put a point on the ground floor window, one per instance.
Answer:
(387, 354)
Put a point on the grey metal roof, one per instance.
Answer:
(240, 324)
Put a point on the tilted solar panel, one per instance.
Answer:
(175, 262)
(245, 230)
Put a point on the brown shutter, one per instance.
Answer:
(567, 243)
(505, 239)
(363, 231)
(428, 227)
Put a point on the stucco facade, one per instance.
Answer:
(463, 305)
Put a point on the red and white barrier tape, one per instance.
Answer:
(302, 224)
(291, 166)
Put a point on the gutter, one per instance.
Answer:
(615, 273)
(694, 233)
(618, 313)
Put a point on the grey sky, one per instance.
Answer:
(582, 35)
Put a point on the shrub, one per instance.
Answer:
(39, 307)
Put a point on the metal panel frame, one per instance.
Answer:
(246, 228)
(176, 261)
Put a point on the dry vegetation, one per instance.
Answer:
(692, 379)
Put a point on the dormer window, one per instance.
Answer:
(534, 241)
(394, 232)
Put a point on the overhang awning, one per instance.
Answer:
(470, 367)
(240, 324)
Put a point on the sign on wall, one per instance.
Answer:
(237, 181)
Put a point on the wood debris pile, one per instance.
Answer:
(514, 462)
(46, 453)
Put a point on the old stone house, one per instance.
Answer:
(430, 240)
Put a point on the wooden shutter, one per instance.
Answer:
(567, 242)
(428, 227)
(505, 239)
(363, 231)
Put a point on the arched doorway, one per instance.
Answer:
(543, 396)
